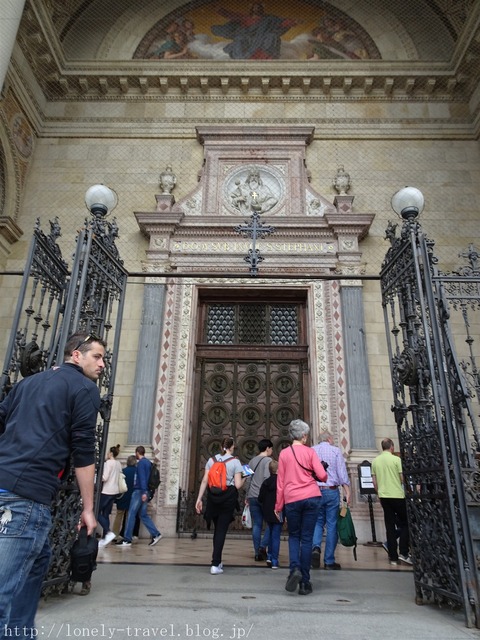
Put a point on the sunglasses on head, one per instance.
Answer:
(92, 337)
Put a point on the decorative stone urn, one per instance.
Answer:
(167, 180)
(341, 182)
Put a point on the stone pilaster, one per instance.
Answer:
(359, 394)
(145, 383)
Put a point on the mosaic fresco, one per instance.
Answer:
(268, 30)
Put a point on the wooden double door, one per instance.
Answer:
(248, 391)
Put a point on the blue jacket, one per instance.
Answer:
(143, 473)
(124, 501)
(43, 420)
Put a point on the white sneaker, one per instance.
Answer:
(154, 540)
(216, 570)
(406, 559)
(108, 538)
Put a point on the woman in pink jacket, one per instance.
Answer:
(298, 496)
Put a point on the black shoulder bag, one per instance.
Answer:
(83, 557)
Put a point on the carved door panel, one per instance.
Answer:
(248, 398)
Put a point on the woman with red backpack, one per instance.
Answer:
(221, 482)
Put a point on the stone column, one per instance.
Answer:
(10, 17)
(359, 394)
(145, 385)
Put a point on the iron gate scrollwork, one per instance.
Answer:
(437, 431)
(52, 304)
(38, 314)
(94, 304)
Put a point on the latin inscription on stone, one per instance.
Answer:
(181, 246)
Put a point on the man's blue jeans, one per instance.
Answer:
(257, 524)
(327, 516)
(24, 560)
(137, 506)
(301, 519)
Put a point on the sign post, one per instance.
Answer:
(367, 489)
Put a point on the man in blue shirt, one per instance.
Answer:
(44, 419)
(334, 463)
(139, 501)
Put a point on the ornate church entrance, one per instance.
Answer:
(243, 350)
(251, 374)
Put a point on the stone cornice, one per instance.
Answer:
(416, 81)
(297, 135)
(211, 228)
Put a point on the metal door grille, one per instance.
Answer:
(252, 324)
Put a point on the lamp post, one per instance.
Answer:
(408, 203)
(100, 200)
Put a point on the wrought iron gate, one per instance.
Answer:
(51, 305)
(433, 393)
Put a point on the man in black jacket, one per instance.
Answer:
(43, 420)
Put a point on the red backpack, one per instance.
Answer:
(217, 475)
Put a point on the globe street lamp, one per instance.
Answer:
(408, 203)
(100, 200)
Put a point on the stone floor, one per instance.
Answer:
(167, 591)
(238, 552)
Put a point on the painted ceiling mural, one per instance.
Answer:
(220, 30)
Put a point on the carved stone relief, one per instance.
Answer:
(253, 188)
